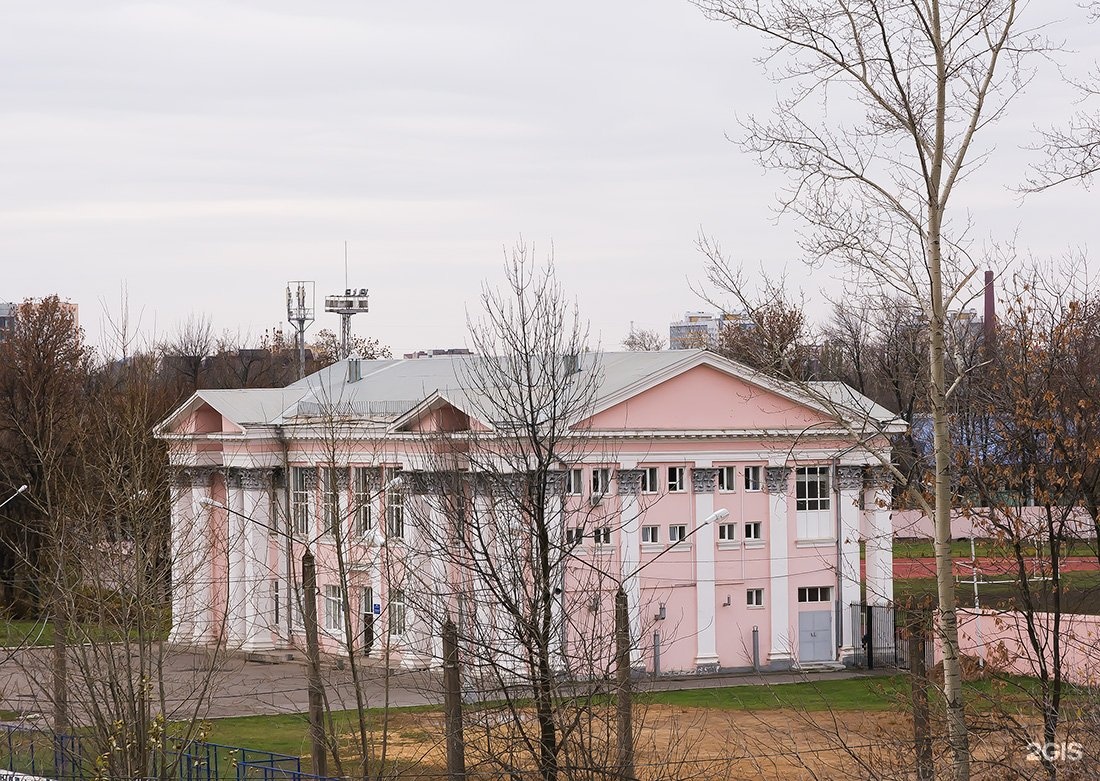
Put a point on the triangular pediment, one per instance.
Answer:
(710, 396)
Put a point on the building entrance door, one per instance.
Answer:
(815, 636)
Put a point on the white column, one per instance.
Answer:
(849, 483)
(880, 538)
(255, 539)
(236, 541)
(629, 483)
(779, 548)
(703, 483)
(183, 523)
(201, 599)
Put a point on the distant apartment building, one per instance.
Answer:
(701, 329)
(9, 310)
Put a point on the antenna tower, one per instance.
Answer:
(301, 303)
(352, 302)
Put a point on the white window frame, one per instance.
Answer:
(727, 479)
(601, 535)
(601, 481)
(300, 500)
(574, 535)
(395, 514)
(654, 534)
(676, 480)
(727, 532)
(677, 532)
(752, 476)
(331, 510)
(364, 515)
(334, 608)
(649, 480)
(815, 480)
(574, 483)
(397, 613)
(752, 529)
(754, 597)
(814, 594)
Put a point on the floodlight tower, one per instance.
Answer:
(352, 302)
(301, 303)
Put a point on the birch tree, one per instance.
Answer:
(885, 106)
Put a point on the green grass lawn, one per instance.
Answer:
(960, 549)
(25, 632)
(871, 693)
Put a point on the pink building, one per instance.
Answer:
(671, 438)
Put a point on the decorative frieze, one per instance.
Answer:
(777, 479)
(704, 480)
(849, 478)
(555, 482)
(254, 479)
(629, 481)
(201, 476)
(880, 478)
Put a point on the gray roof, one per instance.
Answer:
(390, 388)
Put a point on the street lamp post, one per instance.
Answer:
(314, 685)
(19, 490)
(624, 694)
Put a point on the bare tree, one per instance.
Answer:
(643, 340)
(875, 190)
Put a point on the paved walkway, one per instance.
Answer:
(239, 687)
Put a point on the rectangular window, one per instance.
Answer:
(275, 602)
(330, 499)
(754, 597)
(602, 535)
(397, 612)
(395, 513)
(364, 519)
(366, 609)
(300, 499)
(574, 535)
(815, 594)
(754, 530)
(601, 479)
(727, 532)
(575, 485)
(811, 485)
(727, 478)
(752, 478)
(649, 480)
(334, 609)
(675, 478)
(677, 532)
(651, 534)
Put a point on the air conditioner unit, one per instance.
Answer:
(596, 499)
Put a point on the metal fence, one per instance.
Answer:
(882, 633)
(32, 754)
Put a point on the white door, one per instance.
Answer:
(815, 636)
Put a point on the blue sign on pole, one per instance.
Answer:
(377, 609)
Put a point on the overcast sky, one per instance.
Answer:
(205, 153)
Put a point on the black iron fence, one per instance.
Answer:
(882, 634)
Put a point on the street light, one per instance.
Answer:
(309, 621)
(18, 491)
(624, 729)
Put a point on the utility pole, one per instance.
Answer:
(316, 690)
(623, 695)
(452, 704)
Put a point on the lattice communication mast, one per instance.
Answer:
(301, 304)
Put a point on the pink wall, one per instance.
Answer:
(1001, 639)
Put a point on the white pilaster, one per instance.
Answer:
(629, 483)
(201, 597)
(779, 548)
(183, 564)
(880, 538)
(849, 483)
(236, 541)
(256, 601)
(703, 480)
